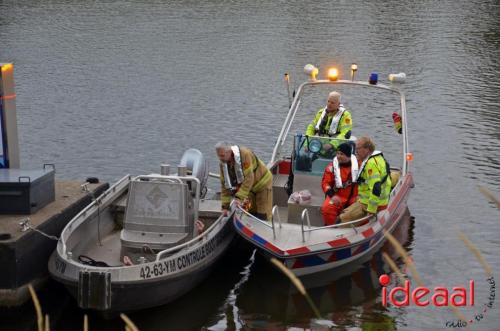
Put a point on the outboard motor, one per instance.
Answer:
(194, 161)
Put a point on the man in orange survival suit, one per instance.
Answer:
(337, 183)
(246, 179)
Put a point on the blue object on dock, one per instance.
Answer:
(373, 78)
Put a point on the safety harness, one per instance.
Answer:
(336, 172)
(238, 169)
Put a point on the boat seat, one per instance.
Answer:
(280, 195)
(395, 176)
(159, 215)
(209, 209)
(153, 240)
(313, 184)
(120, 204)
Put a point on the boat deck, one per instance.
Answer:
(109, 248)
(289, 235)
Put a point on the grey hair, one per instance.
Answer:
(224, 145)
(334, 94)
(367, 142)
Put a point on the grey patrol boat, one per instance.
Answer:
(141, 243)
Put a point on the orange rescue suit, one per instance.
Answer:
(343, 197)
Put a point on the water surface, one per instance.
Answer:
(106, 88)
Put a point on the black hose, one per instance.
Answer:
(84, 259)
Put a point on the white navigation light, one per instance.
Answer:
(354, 68)
(397, 78)
(311, 71)
(333, 74)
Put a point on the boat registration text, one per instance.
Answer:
(181, 262)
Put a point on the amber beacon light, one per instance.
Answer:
(7, 67)
(333, 74)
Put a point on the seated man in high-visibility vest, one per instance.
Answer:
(246, 179)
(374, 182)
(331, 121)
(339, 183)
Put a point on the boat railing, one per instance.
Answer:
(351, 223)
(195, 240)
(305, 215)
(276, 213)
(98, 203)
(297, 101)
(265, 223)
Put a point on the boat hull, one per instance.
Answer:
(137, 295)
(128, 288)
(308, 260)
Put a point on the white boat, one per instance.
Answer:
(137, 245)
(297, 235)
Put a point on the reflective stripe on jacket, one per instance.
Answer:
(371, 191)
(256, 177)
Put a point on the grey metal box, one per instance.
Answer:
(26, 191)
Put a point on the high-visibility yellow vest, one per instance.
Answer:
(344, 125)
(374, 183)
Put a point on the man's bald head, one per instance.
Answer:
(333, 101)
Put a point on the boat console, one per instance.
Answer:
(159, 214)
(161, 210)
(311, 155)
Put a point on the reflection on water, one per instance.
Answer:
(347, 296)
(106, 88)
(210, 303)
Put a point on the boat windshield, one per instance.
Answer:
(312, 153)
(371, 109)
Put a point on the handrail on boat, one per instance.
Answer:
(296, 103)
(201, 236)
(305, 214)
(97, 202)
(266, 223)
(277, 213)
(333, 226)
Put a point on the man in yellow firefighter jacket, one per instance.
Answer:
(331, 121)
(374, 182)
(246, 179)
